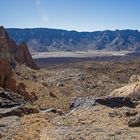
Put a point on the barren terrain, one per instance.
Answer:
(79, 54)
(75, 100)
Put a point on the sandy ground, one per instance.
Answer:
(78, 54)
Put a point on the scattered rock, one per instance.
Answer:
(53, 110)
(21, 89)
(89, 86)
(60, 112)
(44, 84)
(114, 114)
(130, 113)
(13, 104)
(52, 95)
(134, 78)
(9, 127)
(135, 96)
(83, 102)
(60, 84)
(134, 121)
(33, 95)
(10, 99)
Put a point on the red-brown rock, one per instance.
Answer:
(21, 89)
(23, 56)
(20, 53)
(7, 79)
(10, 53)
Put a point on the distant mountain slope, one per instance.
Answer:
(44, 39)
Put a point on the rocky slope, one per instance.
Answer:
(43, 39)
(108, 117)
(10, 54)
(12, 107)
(83, 100)
(87, 100)
(15, 101)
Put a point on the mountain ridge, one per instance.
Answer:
(47, 39)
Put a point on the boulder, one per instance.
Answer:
(134, 121)
(130, 90)
(134, 78)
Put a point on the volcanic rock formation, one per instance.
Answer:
(6, 75)
(10, 54)
(20, 53)
(23, 56)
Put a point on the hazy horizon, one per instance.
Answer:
(69, 29)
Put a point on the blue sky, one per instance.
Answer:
(81, 15)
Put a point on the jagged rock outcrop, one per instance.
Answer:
(7, 79)
(131, 90)
(20, 53)
(14, 104)
(10, 53)
(23, 56)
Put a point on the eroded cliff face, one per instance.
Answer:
(7, 79)
(10, 54)
(23, 56)
(19, 53)
(3, 40)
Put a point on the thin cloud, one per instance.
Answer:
(41, 11)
